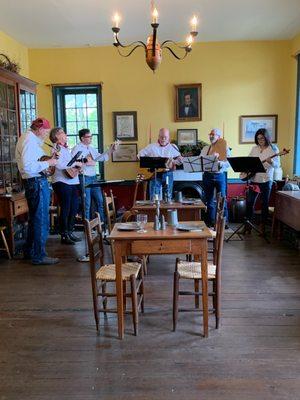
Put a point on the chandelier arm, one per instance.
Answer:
(175, 55)
(131, 51)
(138, 43)
(172, 42)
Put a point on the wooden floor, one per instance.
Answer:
(49, 348)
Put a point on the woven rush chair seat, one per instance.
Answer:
(108, 272)
(192, 270)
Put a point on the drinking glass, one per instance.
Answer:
(141, 220)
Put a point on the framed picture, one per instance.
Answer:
(125, 125)
(249, 125)
(125, 153)
(188, 102)
(187, 137)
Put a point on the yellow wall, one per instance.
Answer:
(238, 78)
(15, 51)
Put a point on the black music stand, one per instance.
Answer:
(86, 257)
(250, 166)
(153, 164)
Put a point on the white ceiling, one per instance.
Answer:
(72, 23)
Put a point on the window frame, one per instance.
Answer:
(59, 91)
(296, 167)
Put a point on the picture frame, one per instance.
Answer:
(125, 153)
(187, 137)
(125, 125)
(188, 102)
(249, 125)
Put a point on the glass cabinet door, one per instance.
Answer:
(28, 109)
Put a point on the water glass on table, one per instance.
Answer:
(141, 220)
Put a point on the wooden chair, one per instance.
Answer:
(6, 248)
(110, 210)
(192, 271)
(130, 216)
(102, 273)
(219, 213)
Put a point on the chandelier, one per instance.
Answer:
(153, 49)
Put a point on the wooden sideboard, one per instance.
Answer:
(12, 206)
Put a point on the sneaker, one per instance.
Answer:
(74, 237)
(46, 261)
(66, 240)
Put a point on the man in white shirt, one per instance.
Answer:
(28, 153)
(89, 171)
(215, 180)
(162, 148)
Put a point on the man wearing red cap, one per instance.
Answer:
(28, 153)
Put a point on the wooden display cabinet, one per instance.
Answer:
(17, 110)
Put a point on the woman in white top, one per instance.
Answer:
(66, 189)
(264, 149)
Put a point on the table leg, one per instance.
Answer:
(119, 288)
(204, 286)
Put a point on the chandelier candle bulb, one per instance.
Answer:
(154, 16)
(194, 23)
(116, 20)
(189, 41)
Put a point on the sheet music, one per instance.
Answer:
(200, 164)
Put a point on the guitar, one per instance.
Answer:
(50, 170)
(72, 172)
(148, 173)
(244, 176)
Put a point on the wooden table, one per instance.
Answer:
(287, 211)
(11, 206)
(186, 212)
(169, 241)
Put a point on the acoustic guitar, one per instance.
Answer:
(245, 176)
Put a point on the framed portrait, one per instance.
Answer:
(187, 137)
(249, 125)
(125, 153)
(125, 125)
(188, 102)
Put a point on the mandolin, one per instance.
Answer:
(245, 176)
(50, 170)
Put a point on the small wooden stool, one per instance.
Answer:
(2, 228)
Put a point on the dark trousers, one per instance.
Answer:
(38, 199)
(265, 192)
(212, 181)
(68, 200)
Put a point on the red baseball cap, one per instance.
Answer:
(40, 122)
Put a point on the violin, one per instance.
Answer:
(50, 170)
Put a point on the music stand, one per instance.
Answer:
(207, 163)
(248, 165)
(153, 164)
(86, 257)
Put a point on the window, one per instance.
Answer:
(297, 125)
(78, 107)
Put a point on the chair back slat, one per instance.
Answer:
(93, 231)
(110, 210)
(129, 215)
(219, 247)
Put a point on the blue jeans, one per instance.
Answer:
(38, 198)
(68, 200)
(212, 181)
(265, 191)
(94, 193)
(159, 185)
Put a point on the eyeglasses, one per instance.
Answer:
(87, 137)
